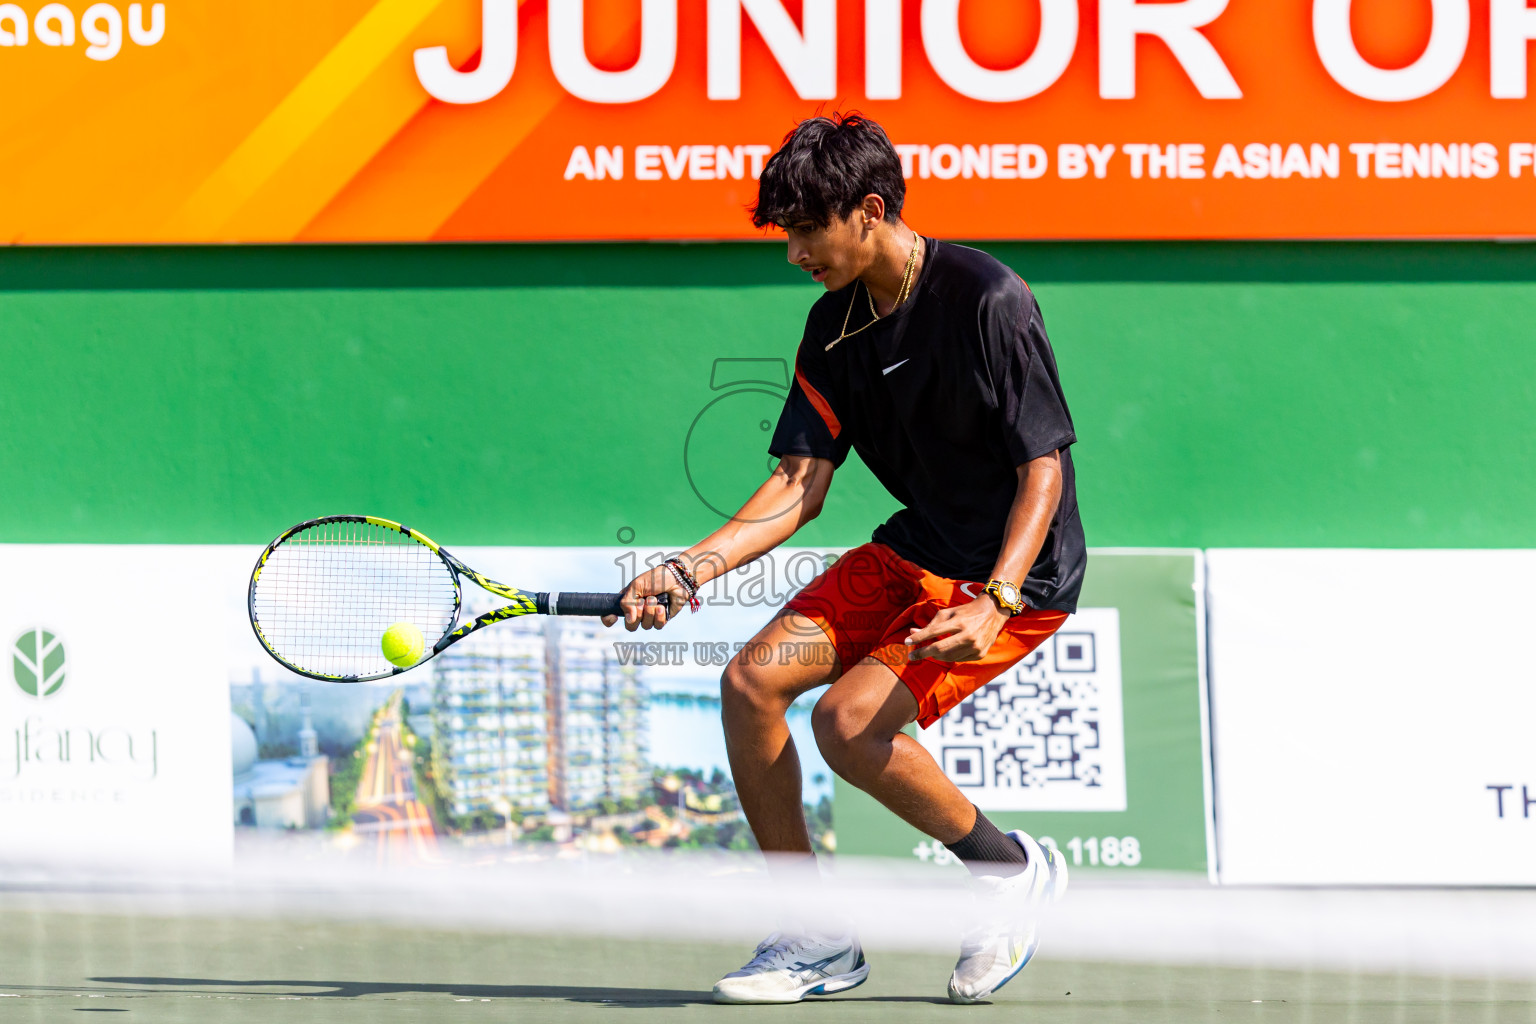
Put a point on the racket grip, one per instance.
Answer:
(575, 603)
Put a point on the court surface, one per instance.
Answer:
(56, 963)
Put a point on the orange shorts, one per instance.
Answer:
(871, 598)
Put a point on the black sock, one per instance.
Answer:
(986, 851)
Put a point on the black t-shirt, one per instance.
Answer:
(942, 399)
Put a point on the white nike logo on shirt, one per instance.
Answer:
(888, 369)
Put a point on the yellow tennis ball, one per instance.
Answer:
(403, 644)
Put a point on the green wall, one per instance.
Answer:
(1225, 394)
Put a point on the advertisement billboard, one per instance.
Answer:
(1096, 742)
(113, 716)
(1373, 713)
(540, 729)
(416, 120)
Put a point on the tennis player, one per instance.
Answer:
(931, 361)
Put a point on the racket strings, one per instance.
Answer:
(327, 594)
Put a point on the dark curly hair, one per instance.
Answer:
(825, 168)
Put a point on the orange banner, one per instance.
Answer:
(408, 120)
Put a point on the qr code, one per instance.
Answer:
(1048, 734)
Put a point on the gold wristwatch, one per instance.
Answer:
(1006, 595)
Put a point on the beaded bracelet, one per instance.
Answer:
(686, 580)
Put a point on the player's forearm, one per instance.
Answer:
(786, 501)
(1029, 519)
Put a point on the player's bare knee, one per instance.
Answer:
(743, 687)
(735, 684)
(840, 731)
(824, 729)
(821, 727)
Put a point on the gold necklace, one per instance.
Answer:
(875, 317)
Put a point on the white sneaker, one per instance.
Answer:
(786, 969)
(998, 947)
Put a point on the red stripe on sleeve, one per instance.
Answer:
(822, 405)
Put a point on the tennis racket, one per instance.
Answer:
(323, 593)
